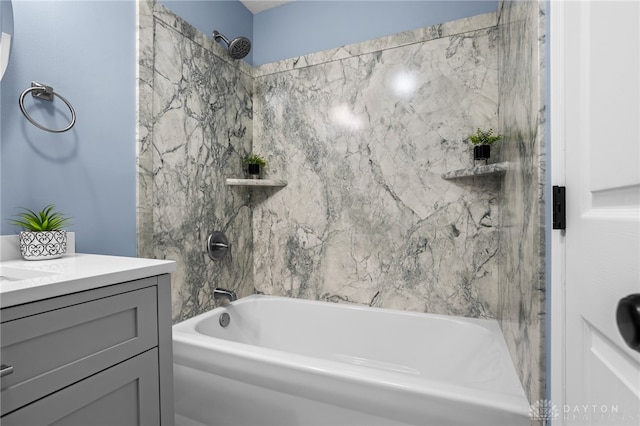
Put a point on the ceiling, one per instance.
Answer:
(257, 6)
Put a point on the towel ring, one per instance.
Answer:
(46, 93)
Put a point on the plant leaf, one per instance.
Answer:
(46, 219)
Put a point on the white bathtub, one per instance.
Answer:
(285, 361)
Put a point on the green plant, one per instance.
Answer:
(484, 137)
(255, 159)
(46, 219)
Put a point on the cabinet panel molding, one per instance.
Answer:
(124, 395)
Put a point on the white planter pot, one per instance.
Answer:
(43, 245)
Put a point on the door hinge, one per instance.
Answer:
(559, 207)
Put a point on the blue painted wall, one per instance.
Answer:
(306, 26)
(86, 51)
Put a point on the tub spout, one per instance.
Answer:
(223, 293)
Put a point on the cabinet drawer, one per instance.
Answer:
(124, 395)
(57, 348)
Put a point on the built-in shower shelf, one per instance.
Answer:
(257, 182)
(486, 170)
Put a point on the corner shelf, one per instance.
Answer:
(273, 183)
(489, 169)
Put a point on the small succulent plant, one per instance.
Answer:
(255, 159)
(47, 219)
(482, 137)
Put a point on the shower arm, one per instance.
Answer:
(217, 36)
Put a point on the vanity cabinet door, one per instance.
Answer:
(57, 348)
(126, 394)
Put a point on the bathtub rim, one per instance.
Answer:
(491, 325)
(259, 366)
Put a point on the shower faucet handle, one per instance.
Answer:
(218, 246)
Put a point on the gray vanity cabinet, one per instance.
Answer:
(98, 357)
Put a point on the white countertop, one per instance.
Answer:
(26, 281)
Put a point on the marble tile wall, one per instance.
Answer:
(521, 267)
(362, 135)
(195, 125)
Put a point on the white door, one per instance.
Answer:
(601, 123)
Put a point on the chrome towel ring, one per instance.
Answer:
(42, 91)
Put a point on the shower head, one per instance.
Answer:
(238, 48)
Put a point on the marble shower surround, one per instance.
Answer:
(195, 125)
(362, 135)
(365, 217)
(521, 304)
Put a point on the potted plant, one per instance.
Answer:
(482, 141)
(254, 162)
(43, 236)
